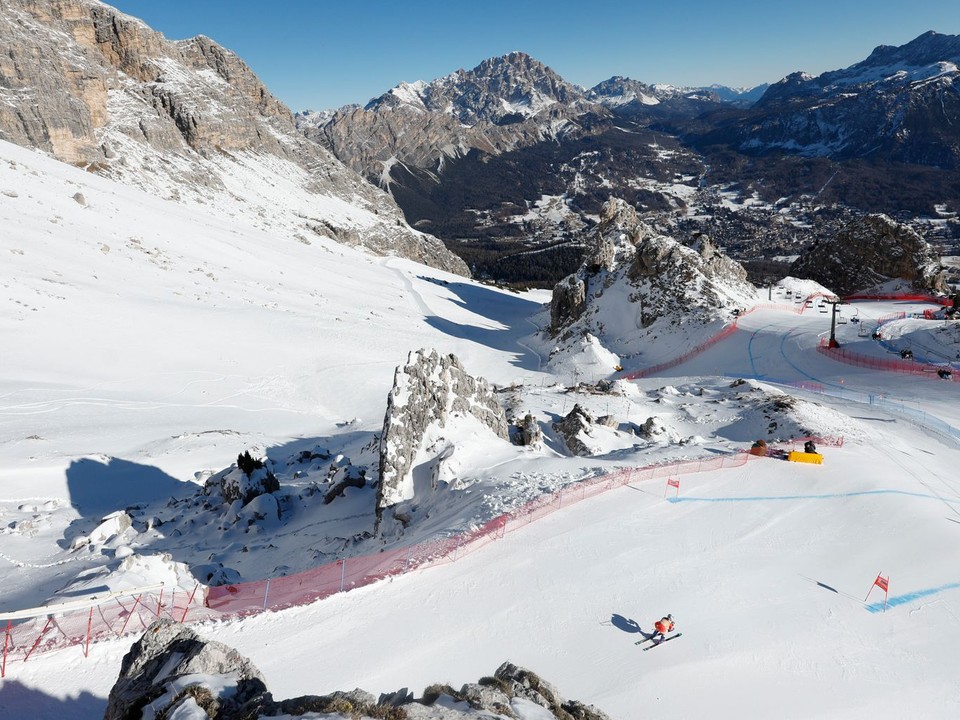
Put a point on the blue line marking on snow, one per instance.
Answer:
(909, 597)
(824, 496)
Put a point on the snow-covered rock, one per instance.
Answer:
(635, 286)
(429, 390)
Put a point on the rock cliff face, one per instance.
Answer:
(171, 672)
(635, 277)
(869, 252)
(429, 392)
(187, 120)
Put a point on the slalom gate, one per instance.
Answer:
(85, 621)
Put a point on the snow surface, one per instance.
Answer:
(145, 344)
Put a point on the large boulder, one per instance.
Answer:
(575, 431)
(429, 390)
(173, 673)
(250, 478)
(170, 666)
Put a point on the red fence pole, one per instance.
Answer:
(6, 644)
(39, 637)
(187, 607)
(130, 614)
(86, 649)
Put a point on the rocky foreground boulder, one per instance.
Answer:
(430, 391)
(171, 672)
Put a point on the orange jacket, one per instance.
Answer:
(663, 625)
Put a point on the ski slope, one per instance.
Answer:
(133, 359)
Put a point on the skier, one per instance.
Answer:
(809, 447)
(661, 628)
(944, 374)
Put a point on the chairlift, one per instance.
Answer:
(841, 320)
(863, 331)
(823, 309)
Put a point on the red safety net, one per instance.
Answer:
(133, 613)
(909, 367)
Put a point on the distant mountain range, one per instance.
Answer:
(508, 163)
(509, 159)
(901, 104)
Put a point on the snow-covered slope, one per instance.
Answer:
(145, 344)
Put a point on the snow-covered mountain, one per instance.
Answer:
(503, 103)
(633, 98)
(185, 120)
(900, 103)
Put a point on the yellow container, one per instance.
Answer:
(814, 458)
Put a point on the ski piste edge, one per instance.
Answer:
(669, 637)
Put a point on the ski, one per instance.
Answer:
(669, 637)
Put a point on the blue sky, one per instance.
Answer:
(317, 54)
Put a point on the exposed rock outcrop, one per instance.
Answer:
(249, 479)
(567, 303)
(634, 282)
(97, 88)
(870, 251)
(429, 391)
(575, 430)
(170, 659)
(530, 433)
(172, 672)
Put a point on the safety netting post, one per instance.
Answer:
(130, 614)
(86, 647)
(6, 645)
(266, 594)
(187, 607)
(39, 637)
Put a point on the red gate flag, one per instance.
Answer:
(884, 584)
(672, 482)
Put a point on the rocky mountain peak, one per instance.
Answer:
(899, 105)
(509, 87)
(926, 49)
